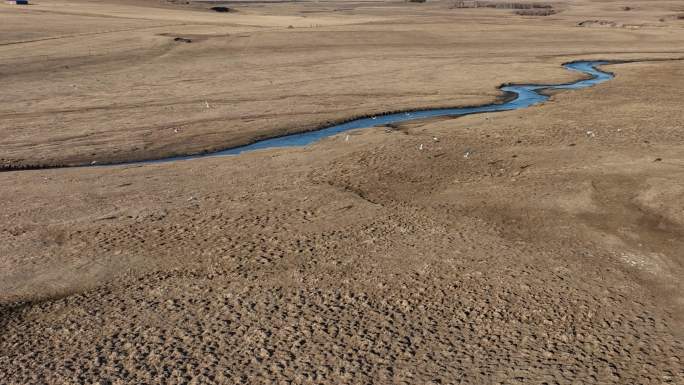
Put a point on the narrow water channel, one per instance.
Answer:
(526, 95)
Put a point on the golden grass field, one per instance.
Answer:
(552, 253)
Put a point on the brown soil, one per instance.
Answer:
(551, 253)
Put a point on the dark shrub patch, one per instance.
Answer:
(535, 12)
(500, 5)
(222, 9)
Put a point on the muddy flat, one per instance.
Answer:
(541, 245)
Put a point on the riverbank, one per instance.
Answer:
(124, 88)
(515, 97)
(530, 246)
(514, 244)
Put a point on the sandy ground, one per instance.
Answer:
(551, 253)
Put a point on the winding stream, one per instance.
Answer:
(526, 95)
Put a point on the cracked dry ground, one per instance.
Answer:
(545, 256)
